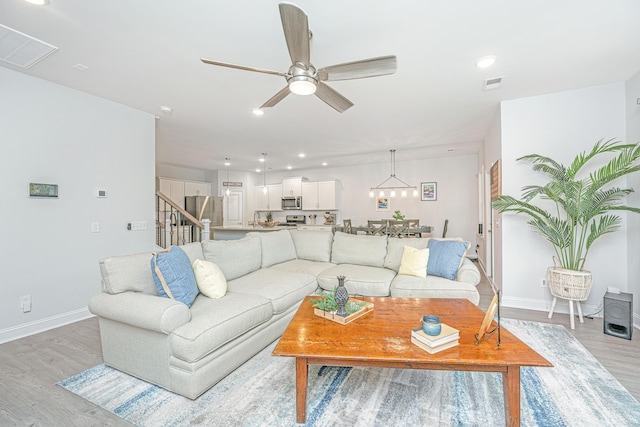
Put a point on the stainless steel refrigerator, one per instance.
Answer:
(205, 207)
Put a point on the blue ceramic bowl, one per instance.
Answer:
(431, 325)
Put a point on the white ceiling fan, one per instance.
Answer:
(305, 79)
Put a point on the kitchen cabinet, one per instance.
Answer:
(173, 189)
(176, 189)
(316, 227)
(320, 196)
(271, 201)
(292, 187)
(193, 188)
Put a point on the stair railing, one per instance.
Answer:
(175, 226)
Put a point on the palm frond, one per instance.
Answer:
(583, 206)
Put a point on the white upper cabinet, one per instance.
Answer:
(193, 188)
(269, 201)
(320, 196)
(177, 190)
(291, 187)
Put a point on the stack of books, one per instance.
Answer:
(447, 338)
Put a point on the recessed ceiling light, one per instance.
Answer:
(258, 170)
(80, 67)
(227, 163)
(261, 159)
(301, 155)
(486, 61)
(258, 112)
(38, 2)
(289, 167)
(166, 109)
(324, 163)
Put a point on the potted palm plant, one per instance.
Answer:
(584, 206)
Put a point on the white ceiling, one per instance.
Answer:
(146, 53)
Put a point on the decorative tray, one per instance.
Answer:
(368, 308)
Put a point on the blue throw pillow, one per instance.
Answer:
(173, 275)
(445, 257)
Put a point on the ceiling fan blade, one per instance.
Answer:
(359, 69)
(333, 98)
(296, 31)
(242, 67)
(277, 97)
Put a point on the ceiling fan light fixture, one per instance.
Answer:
(302, 85)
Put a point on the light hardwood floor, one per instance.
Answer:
(31, 367)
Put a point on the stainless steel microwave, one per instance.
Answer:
(291, 202)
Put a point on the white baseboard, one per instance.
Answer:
(35, 327)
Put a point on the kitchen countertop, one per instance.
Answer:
(248, 228)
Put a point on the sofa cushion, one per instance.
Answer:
(193, 251)
(445, 257)
(215, 322)
(173, 275)
(313, 245)
(283, 289)
(414, 262)
(277, 247)
(303, 266)
(210, 278)
(359, 279)
(404, 286)
(359, 250)
(127, 273)
(395, 248)
(234, 257)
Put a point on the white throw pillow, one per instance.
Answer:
(210, 279)
(414, 262)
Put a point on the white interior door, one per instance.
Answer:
(233, 208)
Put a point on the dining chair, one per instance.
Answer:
(398, 228)
(376, 227)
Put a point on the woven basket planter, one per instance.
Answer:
(569, 284)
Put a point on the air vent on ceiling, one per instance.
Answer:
(493, 83)
(22, 50)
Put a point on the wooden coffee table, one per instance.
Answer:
(383, 339)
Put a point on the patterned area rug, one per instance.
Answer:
(578, 391)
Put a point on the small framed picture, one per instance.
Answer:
(43, 190)
(429, 191)
(382, 204)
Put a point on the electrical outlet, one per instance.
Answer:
(25, 303)
(543, 283)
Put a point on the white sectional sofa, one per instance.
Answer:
(189, 349)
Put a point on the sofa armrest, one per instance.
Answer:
(468, 272)
(141, 310)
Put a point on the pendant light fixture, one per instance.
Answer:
(392, 183)
(227, 163)
(264, 172)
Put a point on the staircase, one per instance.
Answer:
(175, 226)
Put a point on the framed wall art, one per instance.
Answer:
(429, 191)
(43, 190)
(382, 204)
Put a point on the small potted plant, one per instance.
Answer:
(398, 216)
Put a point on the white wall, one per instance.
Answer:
(491, 153)
(558, 125)
(633, 245)
(55, 135)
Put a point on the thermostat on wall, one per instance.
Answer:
(101, 193)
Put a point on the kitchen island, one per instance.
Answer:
(235, 232)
